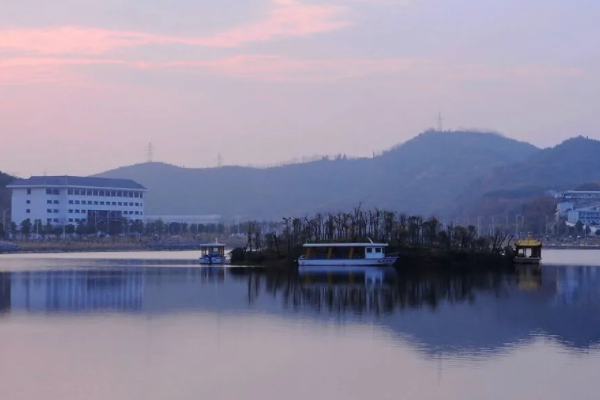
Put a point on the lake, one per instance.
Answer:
(152, 326)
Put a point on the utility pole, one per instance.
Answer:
(479, 226)
(440, 127)
(150, 153)
(517, 226)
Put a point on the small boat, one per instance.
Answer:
(213, 254)
(346, 257)
(531, 257)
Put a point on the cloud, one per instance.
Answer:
(287, 18)
(278, 68)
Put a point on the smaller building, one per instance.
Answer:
(563, 208)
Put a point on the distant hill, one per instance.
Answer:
(573, 164)
(423, 175)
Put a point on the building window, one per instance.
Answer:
(49, 211)
(76, 211)
(101, 203)
(114, 203)
(49, 220)
(28, 191)
(55, 201)
(48, 191)
(120, 203)
(55, 211)
(95, 193)
(28, 201)
(137, 213)
(95, 203)
(55, 191)
(48, 201)
(55, 219)
(28, 211)
(70, 219)
(76, 192)
(70, 192)
(76, 201)
(70, 201)
(141, 195)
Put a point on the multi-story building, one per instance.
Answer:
(71, 200)
(586, 216)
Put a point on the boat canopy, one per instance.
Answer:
(209, 245)
(528, 243)
(329, 245)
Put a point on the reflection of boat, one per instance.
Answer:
(344, 257)
(533, 256)
(213, 254)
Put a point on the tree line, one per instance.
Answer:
(397, 229)
(118, 226)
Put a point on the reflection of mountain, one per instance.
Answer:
(467, 314)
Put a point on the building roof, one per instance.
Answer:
(76, 181)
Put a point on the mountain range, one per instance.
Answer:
(446, 174)
(424, 175)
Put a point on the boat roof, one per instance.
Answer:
(528, 243)
(346, 245)
(212, 245)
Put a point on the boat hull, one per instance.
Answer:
(344, 265)
(527, 260)
(213, 261)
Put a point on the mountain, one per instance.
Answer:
(573, 164)
(423, 175)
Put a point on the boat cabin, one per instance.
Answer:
(213, 250)
(528, 251)
(344, 251)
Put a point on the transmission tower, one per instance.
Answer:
(440, 120)
(149, 153)
(219, 160)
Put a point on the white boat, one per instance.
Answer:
(347, 257)
(213, 254)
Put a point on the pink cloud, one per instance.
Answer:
(277, 68)
(287, 18)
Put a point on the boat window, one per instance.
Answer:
(369, 250)
(378, 250)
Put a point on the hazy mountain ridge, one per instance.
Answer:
(573, 164)
(423, 175)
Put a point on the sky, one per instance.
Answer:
(86, 85)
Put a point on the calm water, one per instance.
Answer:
(150, 326)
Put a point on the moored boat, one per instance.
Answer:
(213, 254)
(346, 257)
(528, 252)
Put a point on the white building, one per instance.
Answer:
(70, 200)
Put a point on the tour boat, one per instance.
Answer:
(213, 254)
(345, 256)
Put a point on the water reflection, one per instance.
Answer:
(438, 313)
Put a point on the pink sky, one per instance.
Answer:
(87, 85)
